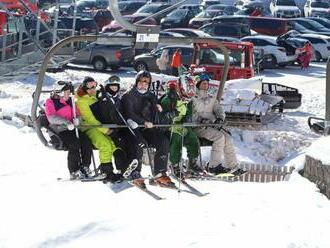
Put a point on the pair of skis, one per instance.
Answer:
(120, 186)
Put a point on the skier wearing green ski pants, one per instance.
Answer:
(175, 111)
(86, 96)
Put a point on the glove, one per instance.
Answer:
(70, 126)
(205, 121)
(132, 124)
(218, 121)
(76, 122)
(148, 124)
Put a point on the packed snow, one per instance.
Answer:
(37, 210)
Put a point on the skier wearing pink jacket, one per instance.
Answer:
(59, 113)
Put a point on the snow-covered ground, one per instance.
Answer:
(39, 211)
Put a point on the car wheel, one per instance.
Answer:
(140, 66)
(114, 67)
(99, 64)
(273, 61)
(318, 56)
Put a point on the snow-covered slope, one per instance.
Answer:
(39, 211)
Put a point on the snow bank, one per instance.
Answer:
(320, 150)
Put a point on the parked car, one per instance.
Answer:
(274, 54)
(178, 18)
(323, 21)
(104, 56)
(129, 7)
(236, 30)
(114, 25)
(188, 32)
(293, 25)
(268, 25)
(194, 8)
(147, 61)
(206, 3)
(284, 8)
(83, 24)
(152, 9)
(204, 17)
(316, 8)
(312, 25)
(320, 43)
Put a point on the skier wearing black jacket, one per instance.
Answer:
(140, 107)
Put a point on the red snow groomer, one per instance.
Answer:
(211, 58)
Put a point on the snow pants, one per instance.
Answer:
(127, 143)
(157, 139)
(103, 143)
(79, 150)
(190, 141)
(221, 146)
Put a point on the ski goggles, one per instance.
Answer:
(91, 85)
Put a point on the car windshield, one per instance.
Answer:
(320, 5)
(178, 13)
(312, 24)
(214, 56)
(286, 3)
(150, 9)
(217, 7)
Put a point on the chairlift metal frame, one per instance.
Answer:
(117, 40)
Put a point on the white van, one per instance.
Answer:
(317, 8)
(284, 8)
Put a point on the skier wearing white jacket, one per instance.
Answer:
(207, 109)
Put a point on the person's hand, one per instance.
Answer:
(76, 122)
(109, 131)
(159, 107)
(132, 124)
(148, 124)
(70, 126)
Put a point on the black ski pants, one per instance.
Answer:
(129, 149)
(79, 150)
(157, 139)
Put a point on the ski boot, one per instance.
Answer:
(193, 169)
(219, 169)
(162, 180)
(137, 179)
(111, 177)
(77, 175)
(238, 172)
(176, 171)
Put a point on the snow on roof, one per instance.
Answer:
(320, 150)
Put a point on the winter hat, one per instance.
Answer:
(172, 85)
(88, 83)
(200, 78)
(142, 74)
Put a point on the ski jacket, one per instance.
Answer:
(84, 102)
(176, 60)
(206, 106)
(139, 107)
(175, 111)
(59, 113)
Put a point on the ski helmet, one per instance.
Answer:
(200, 78)
(112, 81)
(142, 74)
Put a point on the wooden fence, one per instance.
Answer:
(318, 173)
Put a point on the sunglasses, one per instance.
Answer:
(91, 85)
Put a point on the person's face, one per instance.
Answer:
(204, 85)
(143, 84)
(66, 94)
(114, 88)
(91, 88)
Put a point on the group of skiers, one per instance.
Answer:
(139, 109)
